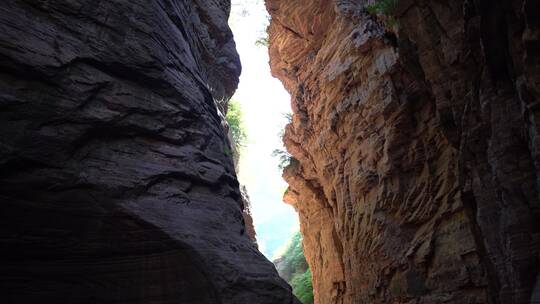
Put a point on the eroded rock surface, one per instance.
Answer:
(115, 181)
(417, 171)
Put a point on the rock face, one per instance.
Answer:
(115, 181)
(247, 214)
(418, 165)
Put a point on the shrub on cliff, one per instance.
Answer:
(263, 41)
(236, 124)
(385, 8)
(292, 266)
(284, 159)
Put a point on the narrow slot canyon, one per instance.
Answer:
(270, 151)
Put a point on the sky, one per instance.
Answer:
(264, 102)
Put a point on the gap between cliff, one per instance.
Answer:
(257, 115)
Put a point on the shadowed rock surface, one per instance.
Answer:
(115, 181)
(418, 147)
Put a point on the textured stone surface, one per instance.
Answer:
(115, 181)
(248, 215)
(418, 168)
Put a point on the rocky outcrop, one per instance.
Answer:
(115, 181)
(248, 215)
(417, 171)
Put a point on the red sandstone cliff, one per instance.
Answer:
(418, 151)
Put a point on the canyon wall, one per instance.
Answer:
(415, 147)
(116, 178)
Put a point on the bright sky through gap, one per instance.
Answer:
(264, 102)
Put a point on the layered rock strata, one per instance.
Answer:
(416, 164)
(115, 181)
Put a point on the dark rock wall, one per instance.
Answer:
(115, 181)
(481, 62)
(417, 172)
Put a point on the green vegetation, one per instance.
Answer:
(263, 41)
(292, 266)
(294, 254)
(285, 159)
(303, 287)
(288, 117)
(228, 152)
(385, 8)
(236, 124)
